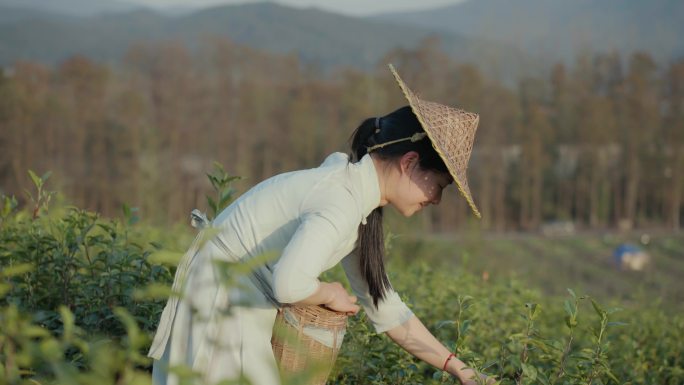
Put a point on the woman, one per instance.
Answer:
(311, 220)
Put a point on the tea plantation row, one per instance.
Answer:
(80, 296)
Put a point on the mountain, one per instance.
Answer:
(9, 15)
(52, 39)
(558, 29)
(76, 8)
(324, 38)
(506, 39)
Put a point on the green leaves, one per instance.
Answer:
(601, 313)
(532, 309)
(77, 260)
(153, 291)
(530, 372)
(8, 205)
(221, 181)
(130, 214)
(39, 181)
(75, 275)
(41, 200)
(571, 318)
(15, 270)
(88, 298)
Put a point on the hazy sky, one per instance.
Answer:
(349, 7)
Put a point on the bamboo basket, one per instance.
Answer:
(297, 352)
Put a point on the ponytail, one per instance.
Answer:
(371, 250)
(370, 244)
(391, 130)
(361, 139)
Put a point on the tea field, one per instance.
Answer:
(584, 262)
(80, 296)
(507, 303)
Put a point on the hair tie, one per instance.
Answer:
(451, 355)
(413, 138)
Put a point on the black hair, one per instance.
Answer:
(399, 124)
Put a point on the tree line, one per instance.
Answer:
(599, 143)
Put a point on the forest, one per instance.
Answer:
(599, 143)
(101, 162)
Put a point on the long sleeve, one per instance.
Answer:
(391, 311)
(328, 218)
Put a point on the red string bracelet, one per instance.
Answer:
(451, 355)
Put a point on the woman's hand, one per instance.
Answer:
(338, 299)
(470, 377)
(334, 297)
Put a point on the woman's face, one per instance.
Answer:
(417, 188)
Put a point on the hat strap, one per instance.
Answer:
(413, 138)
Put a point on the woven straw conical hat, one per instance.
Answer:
(451, 131)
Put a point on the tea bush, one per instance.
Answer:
(80, 296)
(82, 262)
(518, 334)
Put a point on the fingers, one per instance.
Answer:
(343, 301)
(348, 309)
(352, 305)
(346, 306)
(355, 308)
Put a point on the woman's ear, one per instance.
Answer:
(408, 161)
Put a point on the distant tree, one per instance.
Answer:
(25, 139)
(132, 132)
(535, 136)
(639, 119)
(490, 171)
(168, 84)
(596, 140)
(564, 120)
(673, 134)
(591, 143)
(421, 68)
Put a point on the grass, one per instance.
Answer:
(583, 261)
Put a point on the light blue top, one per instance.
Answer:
(311, 219)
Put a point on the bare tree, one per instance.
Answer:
(673, 132)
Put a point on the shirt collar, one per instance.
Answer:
(369, 186)
(364, 180)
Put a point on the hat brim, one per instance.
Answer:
(458, 172)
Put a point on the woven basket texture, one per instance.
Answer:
(452, 133)
(297, 353)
